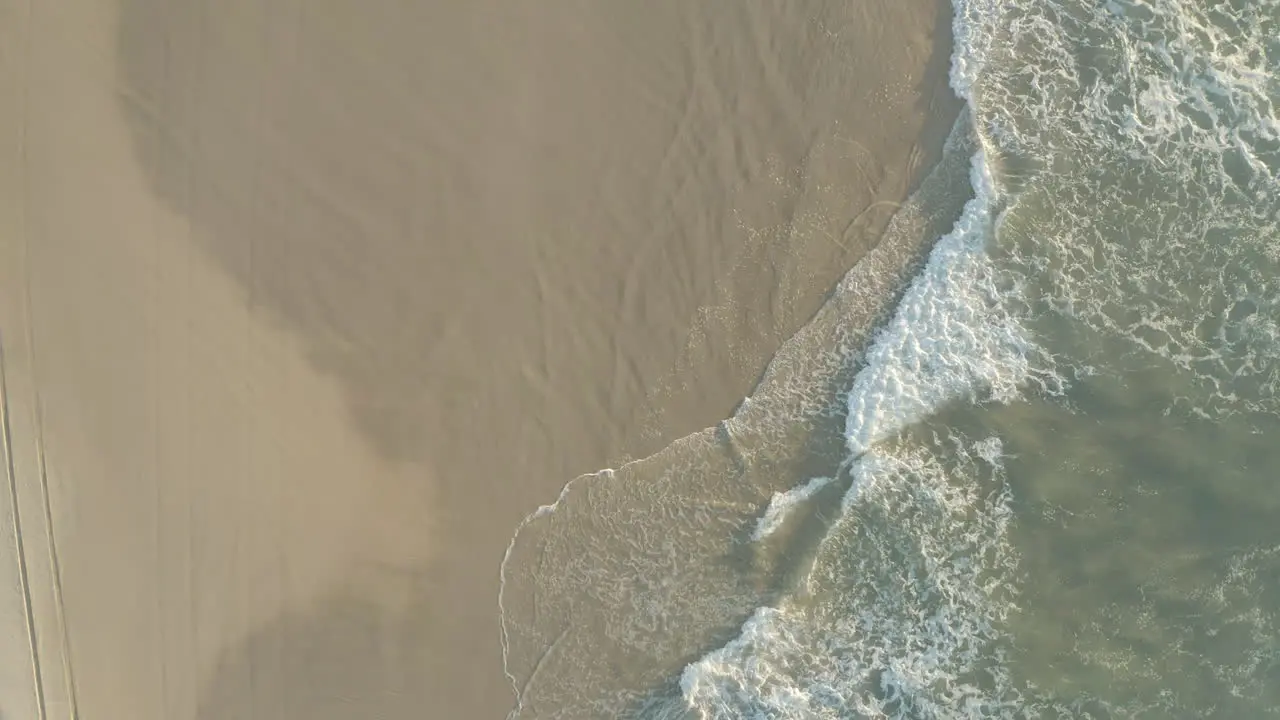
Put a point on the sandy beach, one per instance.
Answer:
(304, 304)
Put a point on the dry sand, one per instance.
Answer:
(305, 303)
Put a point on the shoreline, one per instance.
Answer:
(558, 555)
(333, 306)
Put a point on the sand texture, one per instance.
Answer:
(304, 304)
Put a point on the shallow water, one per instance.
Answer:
(1052, 465)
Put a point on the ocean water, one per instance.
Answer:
(1026, 461)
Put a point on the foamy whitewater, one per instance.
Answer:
(1056, 494)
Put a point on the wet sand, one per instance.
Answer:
(305, 304)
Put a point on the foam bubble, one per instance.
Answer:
(912, 587)
(783, 503)
(953, 335)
